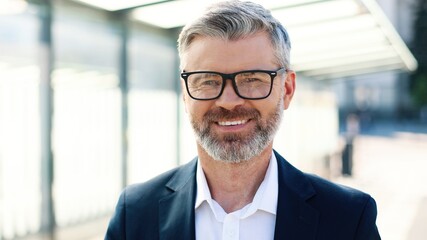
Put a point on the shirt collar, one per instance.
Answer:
(265, 198)
(268, 192)
(203, 192)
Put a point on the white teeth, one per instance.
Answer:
(233, 123)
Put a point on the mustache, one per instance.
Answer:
(222, 114)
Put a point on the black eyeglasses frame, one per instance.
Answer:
(232, 76)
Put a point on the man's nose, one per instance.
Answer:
(229, 98)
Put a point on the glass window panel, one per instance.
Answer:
(87, 115)
(20, 156)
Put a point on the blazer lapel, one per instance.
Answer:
(295, 218)
(176, 211)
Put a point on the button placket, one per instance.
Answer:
(230, 228)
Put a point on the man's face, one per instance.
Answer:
(230, 128)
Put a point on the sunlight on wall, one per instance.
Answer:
(152, 133)
(86, 144)
(188, 141)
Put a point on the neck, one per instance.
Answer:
(233, 185)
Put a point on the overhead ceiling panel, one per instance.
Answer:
(170, 14)
(346, 42)
(114, 5)
(9, 7)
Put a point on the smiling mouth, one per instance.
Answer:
(232, 123)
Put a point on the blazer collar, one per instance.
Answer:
(176, 211)
(295, 219)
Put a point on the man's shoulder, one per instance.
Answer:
(318, 189)
(324, 195)
(348, 209)
(158, 186)
(326, 189)
(138, 210)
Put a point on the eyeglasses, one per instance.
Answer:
(249, 84)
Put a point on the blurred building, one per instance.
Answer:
(381, 96)
(90, 97)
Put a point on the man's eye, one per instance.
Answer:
(252, 80)
(211, 83)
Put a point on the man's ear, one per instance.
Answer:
(289, 88)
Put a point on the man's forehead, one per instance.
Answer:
(205, 42)
(249, 50)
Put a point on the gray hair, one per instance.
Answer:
(233, 20)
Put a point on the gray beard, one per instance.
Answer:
(237, 148)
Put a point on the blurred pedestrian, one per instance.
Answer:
(353, 128)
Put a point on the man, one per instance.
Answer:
(237, 82)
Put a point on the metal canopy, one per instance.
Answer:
(330, 38)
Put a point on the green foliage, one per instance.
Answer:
(419, 90)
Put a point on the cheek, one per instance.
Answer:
(265, 106)
(196, 109)
(268, 106)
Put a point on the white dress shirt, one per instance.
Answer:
(254, 221)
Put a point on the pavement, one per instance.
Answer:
(392, 168)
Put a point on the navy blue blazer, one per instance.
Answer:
(308, 208)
